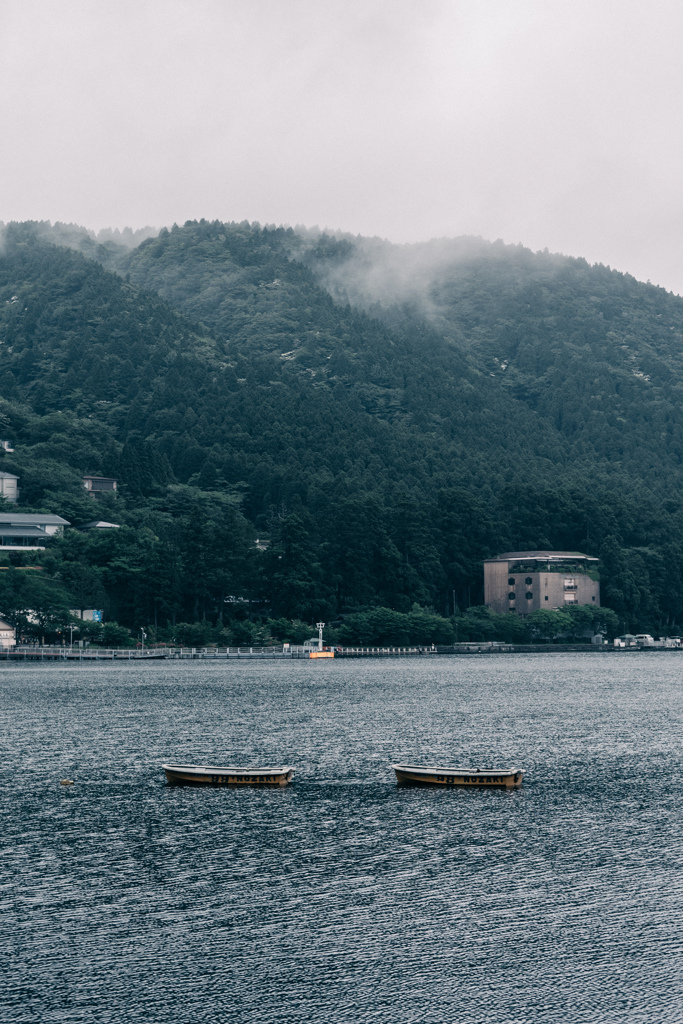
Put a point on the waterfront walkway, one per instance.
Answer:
(290, 652)
(34, 652)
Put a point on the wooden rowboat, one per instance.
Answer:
(213, 775)
(508, 778)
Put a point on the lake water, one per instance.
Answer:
(344, 898)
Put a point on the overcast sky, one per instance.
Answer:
(555, 123)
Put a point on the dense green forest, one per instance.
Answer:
(386, 417)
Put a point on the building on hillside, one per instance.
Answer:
(524, 581)
(87, 614)
(9, 487)
(8, 635)
(99, 524)
(6, 446)
(98, 485)
(26, 532)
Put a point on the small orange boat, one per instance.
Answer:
(508, 778)
(220, 775)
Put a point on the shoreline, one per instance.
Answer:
(89, 654)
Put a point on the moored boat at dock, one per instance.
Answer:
(220, 775)
(508, 778)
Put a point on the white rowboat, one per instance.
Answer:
(507, 778)
(220, 775)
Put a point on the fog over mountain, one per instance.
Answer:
(75, 236)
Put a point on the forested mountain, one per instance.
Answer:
(387, 416)
(593, 352)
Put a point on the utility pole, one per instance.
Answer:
(321, 626)
(143, 635)
(71, 643)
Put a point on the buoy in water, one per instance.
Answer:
(67, 782)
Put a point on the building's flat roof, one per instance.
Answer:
(545, 556)
(31, 519)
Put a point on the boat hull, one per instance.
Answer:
(417, 774)
(213, 775)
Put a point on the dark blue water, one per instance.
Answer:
(344, 898)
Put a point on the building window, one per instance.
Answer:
(593, 597)
(511, 581)
(528, 581)
(546, 597)
(511, 597)
(529, 595)
(570, 598)
(570, 583)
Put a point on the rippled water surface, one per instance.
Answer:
(344, 898)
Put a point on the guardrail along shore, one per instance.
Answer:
(32, 652)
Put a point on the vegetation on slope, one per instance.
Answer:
(506, 401)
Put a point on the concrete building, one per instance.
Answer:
(8, 635)
(9, 488)
(524, 581)
(97, 485)
(26, 532)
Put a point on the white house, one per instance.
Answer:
(22, 532)
(9, 488)
(8, 635)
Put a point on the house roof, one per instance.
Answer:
(31, 519)
(23, 531)
(99, 524)
(5, 625)
(8, 476)
(545, 556)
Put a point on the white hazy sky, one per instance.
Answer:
(548, 122)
